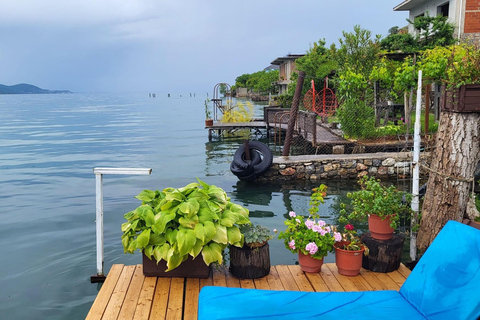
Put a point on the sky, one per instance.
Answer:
(168, 45)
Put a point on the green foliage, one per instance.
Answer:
(358, 50)
(255, 235)
(317, 63)
(403, 42)
(260, 81)
(374, 198)
(208, 112)
(433, 31)
(174, 223)
(454, 65)
(238, 112)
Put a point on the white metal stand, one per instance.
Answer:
(99, 172)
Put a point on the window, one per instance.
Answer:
(443, 9)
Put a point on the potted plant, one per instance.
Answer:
(174, 225)
(251, 261)
(381, 206)
(208, 115)
(312, 239)
(349, 251)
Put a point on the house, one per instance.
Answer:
(286, 66)
(463, 14)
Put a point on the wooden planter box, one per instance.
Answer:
(466, 98)
(190, 268)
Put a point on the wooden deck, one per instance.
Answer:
(128, 294)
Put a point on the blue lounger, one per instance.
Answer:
(445, 284)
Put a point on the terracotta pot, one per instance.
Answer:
(348, 262)
(380, 229)
(208, 122)
(309, 264)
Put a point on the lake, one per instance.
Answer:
(49, 146)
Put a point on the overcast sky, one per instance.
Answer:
(168, 46)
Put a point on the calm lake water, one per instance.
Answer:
(49, 146)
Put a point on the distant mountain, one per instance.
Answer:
(24, 88)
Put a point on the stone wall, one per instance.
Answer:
(347, 166)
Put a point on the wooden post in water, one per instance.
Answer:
(293, 114)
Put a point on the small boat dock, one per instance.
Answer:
(128, 294)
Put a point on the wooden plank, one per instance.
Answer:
(345, 281)
(388, 282)
(175, 299)
(330, 280)
(317, 282)
(118, 295)
(103, 296)
(261, 283)
(206, 282)
(361, 283)
(404, 270)
(160, 299)
(131, 298)
(286, 278)
(300, 278)
(273, 279)
(191, 299)
(145, 299)
(232, 282)
(219, 279)
(397, 277)
(247, 283)
(373, 281)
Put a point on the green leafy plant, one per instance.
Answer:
(175, 223)
(255, 235)
(306, 234)
(349, 240)
(208, 112)
(374, 198)
(454, 65)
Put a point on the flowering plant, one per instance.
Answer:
(349, 240)
(306, 234)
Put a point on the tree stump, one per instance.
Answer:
(248, 263)
(385, 255)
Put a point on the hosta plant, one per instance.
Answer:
(175, 223)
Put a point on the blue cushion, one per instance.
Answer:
(237, 303)
(445, 284)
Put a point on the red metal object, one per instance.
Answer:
(323, 103)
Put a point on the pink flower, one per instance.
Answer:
(317, 228)
(275, 230)
(337, 236)
(321, 223)
(311, 248)
(298, 220)
(328, 229)
(349, 227)
(309, 224)
(291, 244)
(292, 214)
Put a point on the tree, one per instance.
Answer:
(457, 144)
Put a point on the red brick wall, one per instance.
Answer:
(472, 16)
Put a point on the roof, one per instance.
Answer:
(289, 57)
(408, 5)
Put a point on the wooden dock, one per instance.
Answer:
(128, 294)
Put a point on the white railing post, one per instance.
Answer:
(99, 172)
